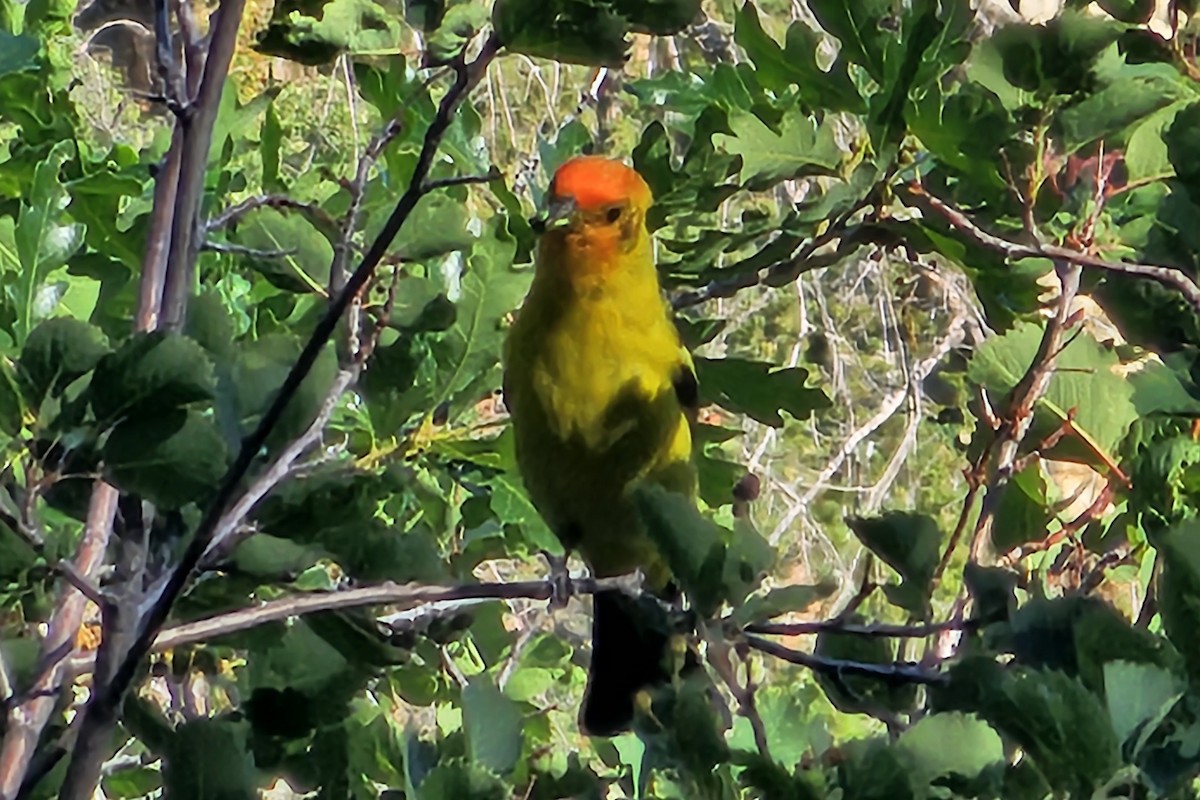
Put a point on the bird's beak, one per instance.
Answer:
(559, 213)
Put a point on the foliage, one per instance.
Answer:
(899, 136)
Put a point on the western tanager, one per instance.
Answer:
(600, 390)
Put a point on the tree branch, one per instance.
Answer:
(27, 716)
(891, 673)
(197, 129)
(101, 711)
(1168, 276)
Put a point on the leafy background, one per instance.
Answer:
(899, 237)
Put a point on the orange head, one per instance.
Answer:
(596, 212)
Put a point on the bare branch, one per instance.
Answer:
(225, 536)
(197, 132)
(1168, 276)
(903, 672)
(463, 180)
(231, 248)
(27, 717)
(276, 201)
(872, 630)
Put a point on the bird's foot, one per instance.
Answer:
(561, 587)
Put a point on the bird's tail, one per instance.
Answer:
(630, 640)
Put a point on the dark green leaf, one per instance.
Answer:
(780, 601)
(758, 389)
(56, 353)
(795, 64)
(571, 31)
(289, 250)
(209, 759)
(171, 459)
(17, 52)
(151, 373)
(692, 545)
(908, 543)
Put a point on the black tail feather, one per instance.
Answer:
(630, 637)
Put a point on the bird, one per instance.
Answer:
(602, 395)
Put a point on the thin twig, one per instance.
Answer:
(492, 174)
(276, 201)
(871, 630)
(230, 248)
(226, 537)
(902, 672)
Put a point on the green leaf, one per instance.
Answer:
(861, 694)
(467, 354)
(493, 725)
(1132, 11)
(570, 31)
(908, 543)
(1137, 695)
(44, 240)
(171, 459)
(1041, 712)
(1183, 149)
(692, 545)
(17, 53)
(795, 64)
(438, 226)
(951, 746)
(1136, 94)
(1023, 513)
(861, 29)
(57, 352)
(1179, 588)
(208, 759)
(758, 389)
(289, 250)
(259, 370)
(272, 557)
(777, 602)
(149, 374)
(1082, 383)
(658, 17)
(461, 780)
(800, 147)
(315, 32)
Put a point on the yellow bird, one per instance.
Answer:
(601, 393)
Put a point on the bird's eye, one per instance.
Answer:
(612, 215)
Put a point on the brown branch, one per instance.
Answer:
(403, 596)
(1168, 276)
(27, 716)
(276, 201)
(197, 127)
(720, 656)
(896, 673)
(876, 629)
